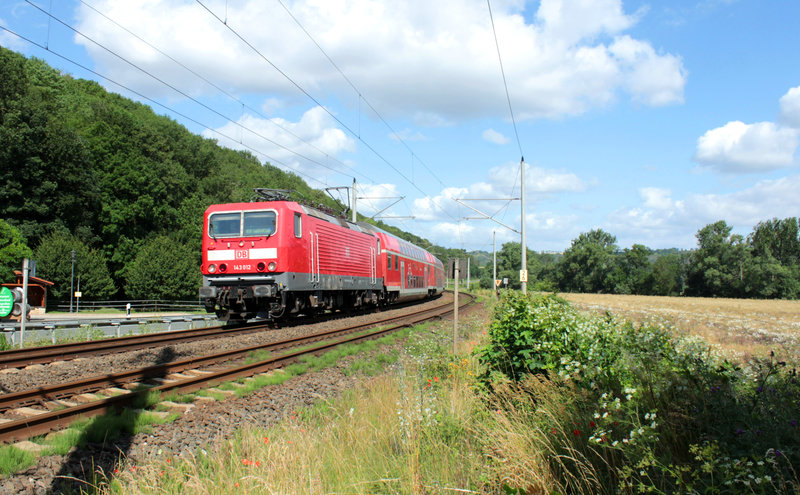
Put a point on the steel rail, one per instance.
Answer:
(18, 358)
(54, 420)
(63, 391)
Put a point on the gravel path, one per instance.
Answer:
(202, 425)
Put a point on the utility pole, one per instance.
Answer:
(355, 212)
(469, 286)
(455, 311)
(23, 317)
(72, 282)
(524, 270)
(494, 262)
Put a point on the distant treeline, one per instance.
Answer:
(92, 172)
(765, 264)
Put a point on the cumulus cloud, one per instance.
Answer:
(790, 108)
(494, 137)
(740, 147)
(434, 62)
(305, 147)
(665, 222)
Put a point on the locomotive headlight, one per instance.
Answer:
(272, 266)
(212, 268)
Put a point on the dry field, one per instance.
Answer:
(743, 327)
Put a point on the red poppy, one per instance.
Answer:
(576, 432)
(592, 424)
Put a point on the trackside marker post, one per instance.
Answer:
(455, 311)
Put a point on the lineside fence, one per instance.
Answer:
(140, 305)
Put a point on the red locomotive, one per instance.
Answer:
(273, 257)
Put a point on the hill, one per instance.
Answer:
(77, 160)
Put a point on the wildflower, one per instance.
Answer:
(116, 471)
(592, 424)
(436, 378)
(553, 431)
(258, 463)
(576, 432)
(236, 484)
(169, 460)
(161, 474)
(266, 440)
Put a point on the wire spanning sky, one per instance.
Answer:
(648, 120)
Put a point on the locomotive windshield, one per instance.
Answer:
(242, 224)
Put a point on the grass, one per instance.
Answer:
(399, 433)
(138, 420)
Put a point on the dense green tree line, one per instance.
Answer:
(765, 264)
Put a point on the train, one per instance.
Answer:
(274, 257)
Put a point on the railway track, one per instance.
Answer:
(131, 386)
(19, 358)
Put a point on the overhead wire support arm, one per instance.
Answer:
(401, 198)
(484, 216)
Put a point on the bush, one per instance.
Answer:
(653, 412)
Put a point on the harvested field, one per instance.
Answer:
(743, 327)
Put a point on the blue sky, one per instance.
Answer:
(649, 120)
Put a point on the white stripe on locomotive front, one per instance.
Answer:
(252, 254)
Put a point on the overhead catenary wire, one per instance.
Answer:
(360, 94)
(183, 93)
(505, 84)
(144, 97)
(312, 98)
(223, 91)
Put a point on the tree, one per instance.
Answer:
(669, 274)
(164, 269)
(775, 265)
(54, 263)
(588, 263)
(633, 273)
(12, 251)
(717, 267)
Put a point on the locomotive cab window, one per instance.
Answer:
(224, 224)
(259, 223)
(298, 225)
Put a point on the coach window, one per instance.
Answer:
(395, 262)
(298, 225)
(388, 261)
(259, 223)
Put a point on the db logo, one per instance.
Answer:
(241, 254)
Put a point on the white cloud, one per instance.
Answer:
(664, 222)
(651, 78)
(494, 137)
(435, 62)
(313, 141)
(740, 147)
(790, 108)
(656, 197)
